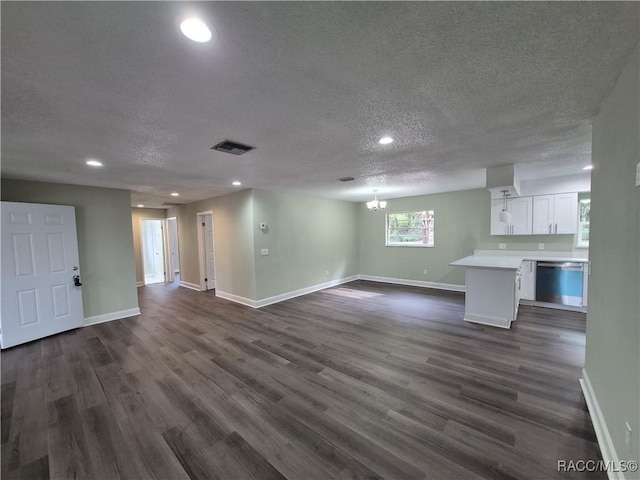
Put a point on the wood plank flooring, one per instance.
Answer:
(365, 380)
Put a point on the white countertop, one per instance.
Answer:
(512, 260)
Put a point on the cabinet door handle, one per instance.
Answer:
(549, 228)
(556, 228)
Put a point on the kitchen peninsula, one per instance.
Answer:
(496, 281)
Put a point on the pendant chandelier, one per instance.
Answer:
(376, 204)
(505, 215)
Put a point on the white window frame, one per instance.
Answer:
(581, 224)
(410, 244)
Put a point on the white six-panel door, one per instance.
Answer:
(39, 261)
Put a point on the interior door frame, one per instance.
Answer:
(164, 246)
(202, 258)
(171, 277)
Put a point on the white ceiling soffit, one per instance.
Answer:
(460, 86)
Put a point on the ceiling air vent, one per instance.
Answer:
(233, 148)
(346, 179)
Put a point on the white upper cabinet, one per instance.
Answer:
(543, 214)
(521, 212)
(555, 214)
(521, 209)
(566, 213)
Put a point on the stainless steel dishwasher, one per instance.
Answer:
(560, 282)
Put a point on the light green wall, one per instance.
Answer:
(613, 320)
(311, 241)
(105, 239)
(138, 214)
(307, 237)
(232, 223)
(462, 225)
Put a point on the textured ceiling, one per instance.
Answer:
(313, 85)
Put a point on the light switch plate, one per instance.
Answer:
(638, 175)
(264, 252)
(541, 246)
(502, 246)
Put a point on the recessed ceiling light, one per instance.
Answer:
(195, 29)
(175, 194)
(236, 183)
(94, 163)
(385, 141)
(588, 167)
(140, 205)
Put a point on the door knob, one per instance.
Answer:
(76, 281)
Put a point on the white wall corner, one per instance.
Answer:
(607, 448)
(236, 298)
(191, 286)
(108, 317)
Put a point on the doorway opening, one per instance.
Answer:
(174, 250)
(206, 249)
(153, 254)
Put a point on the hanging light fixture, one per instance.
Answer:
(505, 215)
(376, 204)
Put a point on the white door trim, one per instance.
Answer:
(172, 247)
(169, 275)
(164, 246)
(201, 249)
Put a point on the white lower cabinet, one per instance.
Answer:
(491, 296)
(528, 280)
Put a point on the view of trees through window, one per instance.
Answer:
(583, 222)
(410, 229)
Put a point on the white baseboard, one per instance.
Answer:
(192, 286)
(607, 448)
(303, 291)
(414, 283)
(332, 283)
(108, 317)
(140, 284)
(486, 320)
(236, 298)
(283, 296)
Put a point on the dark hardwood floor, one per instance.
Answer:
(364, 380)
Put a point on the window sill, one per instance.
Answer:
(408, 246)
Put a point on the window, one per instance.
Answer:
(584, 213)
(410, 229)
